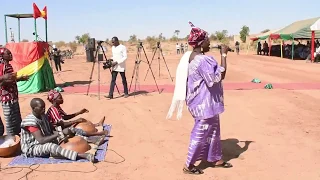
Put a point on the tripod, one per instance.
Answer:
(94, 61)
(160, 52)
(136, 69)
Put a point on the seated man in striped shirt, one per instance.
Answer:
(59, 119)
(39, 140)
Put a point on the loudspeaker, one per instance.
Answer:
(92, 43)
(90, 55)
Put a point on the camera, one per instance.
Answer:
(100, 42)
(107, 64)
(55, 49)
(140, 44)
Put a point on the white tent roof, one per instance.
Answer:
(315, 26)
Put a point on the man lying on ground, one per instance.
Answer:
(39, 140)
(59, 119)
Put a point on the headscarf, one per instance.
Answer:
(52, 95)
(2, 50)
(197, 36)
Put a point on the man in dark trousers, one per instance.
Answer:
(57, 58)
(119, 57)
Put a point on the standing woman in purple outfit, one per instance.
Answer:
(198, 83)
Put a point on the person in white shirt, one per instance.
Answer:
(119, 56)
(317, 53)
(178, 48)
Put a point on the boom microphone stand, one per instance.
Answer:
(96, 59)
(136, 69)
(160, 52)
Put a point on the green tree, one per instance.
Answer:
(177, 32)
(221, 35)
(83, 39)
(133, 38)
(244, 33)
(152, 41)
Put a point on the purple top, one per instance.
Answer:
(204, 89)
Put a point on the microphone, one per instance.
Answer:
(219, 47)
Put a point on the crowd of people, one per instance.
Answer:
(300, 51)
(181, 48)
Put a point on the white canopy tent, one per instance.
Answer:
(314, 27)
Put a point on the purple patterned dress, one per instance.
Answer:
(205, 103)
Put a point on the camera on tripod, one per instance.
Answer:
(107, 64)
(99, 43)
(140, 43)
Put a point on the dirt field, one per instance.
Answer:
(281, 126)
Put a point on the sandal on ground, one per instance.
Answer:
(193, 170)
(223, 165)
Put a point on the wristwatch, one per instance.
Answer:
(224, 55)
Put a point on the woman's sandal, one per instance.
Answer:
(193, 170)
(223, 165)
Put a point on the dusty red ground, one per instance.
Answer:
(283, 123)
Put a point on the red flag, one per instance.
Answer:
(36, 11)
(44, 13)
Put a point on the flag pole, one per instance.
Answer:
(35, 29)
(19, 30)
(46, 29)
(6, 28)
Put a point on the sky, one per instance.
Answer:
(104, 19)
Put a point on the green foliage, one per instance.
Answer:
(244, 33)
(133, 38)
(221, 36)
(152, 41)
(176, 33)
(174, 38)
(83, 39)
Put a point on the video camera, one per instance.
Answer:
(99, 42)
(107, 64)
(219, 47)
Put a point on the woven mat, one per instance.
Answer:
(100, 153)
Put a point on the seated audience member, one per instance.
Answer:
(59, 119)
(38, 138)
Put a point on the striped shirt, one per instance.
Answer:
(28, 141)
(55, 114)
(9, 92)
